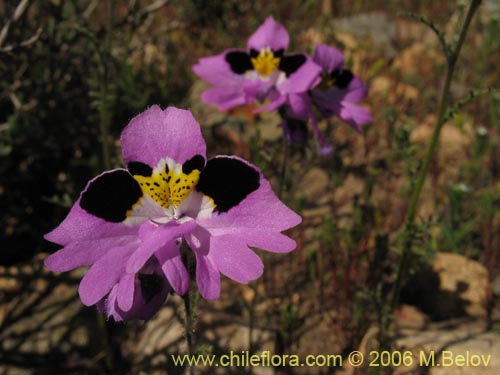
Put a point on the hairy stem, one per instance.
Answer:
(189, 301)
(407, 239)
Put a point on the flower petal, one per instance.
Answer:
(259, 210)
(274, 105)
(299, 106)
(355, 115)
(356, 90)
(155, 240)
(224, 98)
(156, 134)
(304, 78)
(217, 70)
(227, 181)
(207, 277)
(81, 225)
(140, 309)
(173, 268)
(234, 259)
(270, 240)
(270, 34)
(103, 274)
(329, 58)
(125, 292)
(84, 253)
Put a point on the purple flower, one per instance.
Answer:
(242, 77)
(337, 93)
(128, 224)
(339, 89)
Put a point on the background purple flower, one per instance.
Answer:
(262, 71)
(339, 89)
(337, 93)
(129, 224)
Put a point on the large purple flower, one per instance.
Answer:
(262, 71)
(129, 224)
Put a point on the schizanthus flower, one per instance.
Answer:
(129, 224)
(337, 93)
(262, 71)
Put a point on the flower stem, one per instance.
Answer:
(189, 303)
(102, 328)
(407, 239)
(188, 321)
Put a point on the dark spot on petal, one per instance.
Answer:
(227, 181)
(254, 53)
(196, 162)
(342, 78)
(156, 184)
(279, 53)
(111, 195)
(177, 181)
(166, 169)
(290, 64)
(136, 168)
(239, 61)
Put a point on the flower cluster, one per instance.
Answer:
(295, 84)
(129, 225)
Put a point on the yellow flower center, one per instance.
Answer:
(265, 63)
(327, 81)
(168, 186)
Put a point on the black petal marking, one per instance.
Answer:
(290, 64)
(227, 181)
(254, 53)
(239, 61)
(196, 162)
(279, 53)
(137, 168)
(111, 196)
(342, 78)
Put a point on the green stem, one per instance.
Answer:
(101, 324)
(189, 304)
(429, 154)
(188, 321)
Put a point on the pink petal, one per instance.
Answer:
(84, 253)
(125, 292)
(329, 58)
(173, 268)
(103, 274)
(355, 115)
(160, 237)
(156, 134)
(216, 70)
(234, 259)
(207, 277)
(305, 78)
(79, 225)
(270, 34)
(224, 98)
(260, 210)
